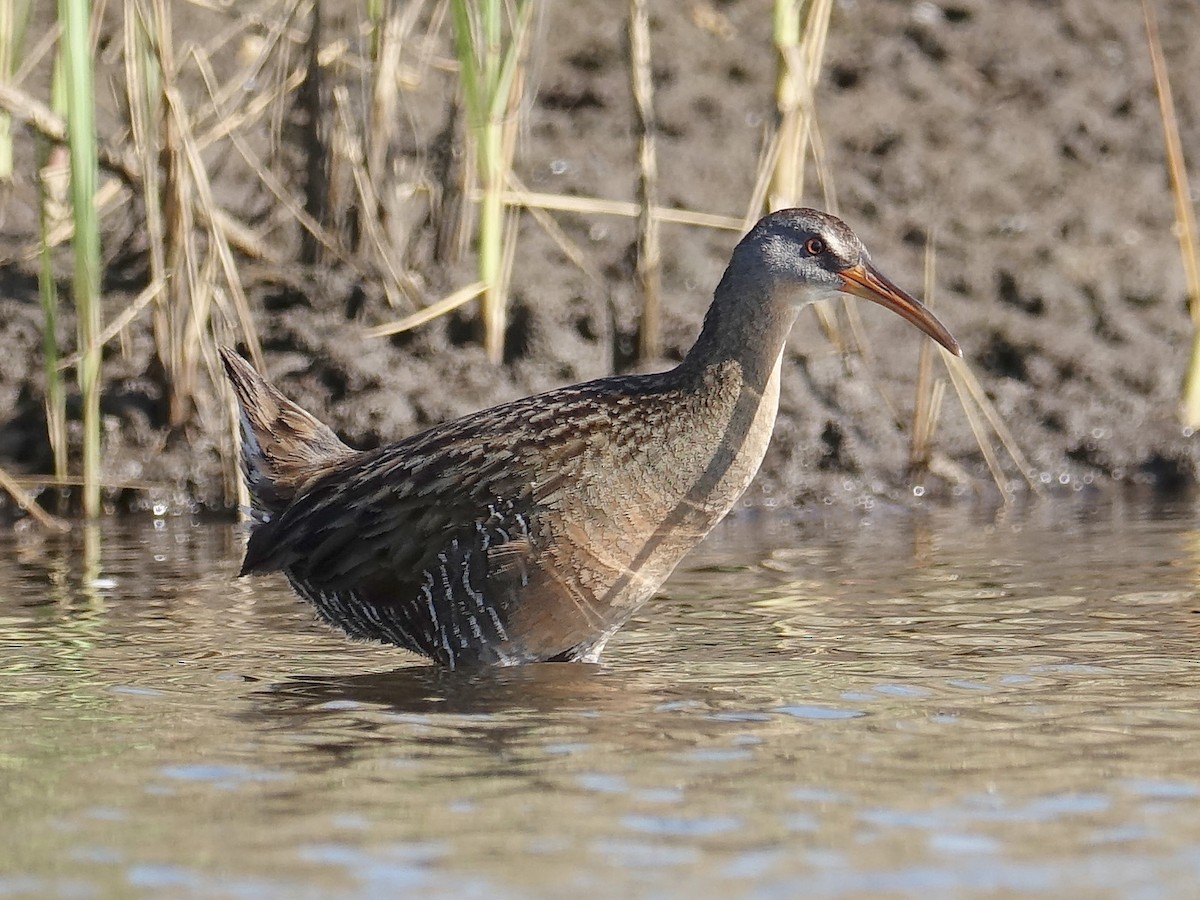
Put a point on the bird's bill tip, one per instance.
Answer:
(864, 280)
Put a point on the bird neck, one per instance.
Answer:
(747, 328)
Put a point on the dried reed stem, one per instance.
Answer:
(53, 174)
(444, 306)
(799, 49)
(649, 253)
(31, 506)
(314, 96)
(925, 412)
(1185, 216)
(145, 29)
(601, 206)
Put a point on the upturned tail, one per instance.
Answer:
(283, 447)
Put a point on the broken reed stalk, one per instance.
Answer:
(14, 17)
(1185, 216)
(649, 253)
(490, 39)
(76, 55)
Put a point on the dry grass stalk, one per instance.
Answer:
(373, 242)
(386, 235)
(265, 42)
(995, 420)
(218, 238)
(109, 196)
(391, 24)
(313, 98)
(31, 506)
(143, 89)
(625, 208)
(119, 322)
(981, 413)
(980, 431)
(122, 160)
(444, 306)
(975, 404)
(52, 191)
(248, 110)
(1185, 216)
(570, 249)
(538, 204)
(113, 484)
(278, 190)
(768, 159)
(649, 253)
(800, 48)
(53, 126)
(928, 391)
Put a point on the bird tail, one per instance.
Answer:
(283, 447)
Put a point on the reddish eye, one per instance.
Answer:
(814, 247)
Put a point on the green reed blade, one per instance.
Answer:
(76, 54)
(14, 17)
(490, 72)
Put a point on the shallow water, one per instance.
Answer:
(944, 704)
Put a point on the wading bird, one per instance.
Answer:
(533, 530)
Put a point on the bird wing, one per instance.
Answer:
(435, 543)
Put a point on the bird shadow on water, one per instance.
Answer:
(341, 718)
(429, 690)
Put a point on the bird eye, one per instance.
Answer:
(814, 246)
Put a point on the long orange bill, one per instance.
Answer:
(865, 281)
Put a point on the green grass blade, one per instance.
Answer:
(76, 54)
(14, 17)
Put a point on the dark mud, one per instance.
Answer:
(1024, 135)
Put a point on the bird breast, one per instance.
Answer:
(640, 505)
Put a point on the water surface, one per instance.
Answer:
(941, 704)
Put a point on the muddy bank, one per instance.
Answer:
(1025, 136)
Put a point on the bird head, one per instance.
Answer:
(806, 255)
